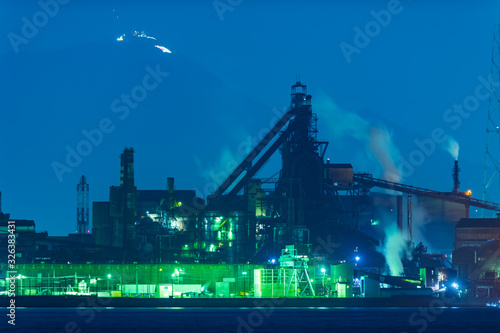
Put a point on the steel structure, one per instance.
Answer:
(409, 225)
(278, 215)
(298, 279)
(461, 198)
(83, 204)
(248, 219)
(491, 179)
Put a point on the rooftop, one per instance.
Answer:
(479, 223)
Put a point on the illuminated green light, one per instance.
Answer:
(109, 276)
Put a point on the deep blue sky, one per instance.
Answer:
(226, 77)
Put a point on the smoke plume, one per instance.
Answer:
(451, 146)
(216, 174)
(394, 249)
(383, 148)
(377, 138)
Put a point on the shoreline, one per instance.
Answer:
(128, 302)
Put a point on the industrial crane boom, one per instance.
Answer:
(247, 162)
(466, 200)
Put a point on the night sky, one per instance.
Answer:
(228, 76)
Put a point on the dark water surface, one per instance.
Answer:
(247, 320)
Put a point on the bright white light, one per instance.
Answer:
(323, 270)
(143, 35)
(357, 258)
(163, 48)
(454, 285)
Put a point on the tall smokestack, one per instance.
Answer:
(456, 180)
(83, 205)
(129, 192)
(170, 185)
(170, 191)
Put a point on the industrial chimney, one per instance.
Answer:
(83, 205)
(170, 192)
(456, 180)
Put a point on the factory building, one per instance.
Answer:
(249, 219)
(122, 203)
(476, 232)
(24, 230)
(146, 225)
(325, 213)
(477, 254)
(114, 221)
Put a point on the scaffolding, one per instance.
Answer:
(290, 280)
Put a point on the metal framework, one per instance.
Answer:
(300, 282)
(83, 205)
(247, 162)
(491, 179)
(348, 201)
(458, 198)
(409, 226)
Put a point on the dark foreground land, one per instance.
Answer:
(126, 302)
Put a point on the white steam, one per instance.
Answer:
(378, 139)
(382, 146)
(340, 122)
(451, 146)
(216, 174)
(394, 249)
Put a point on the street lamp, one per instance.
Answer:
(323, 270)
(357, 258)
(176, 273)
(158, 292)
(173, 277)
(244, 283)
(109, 278)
